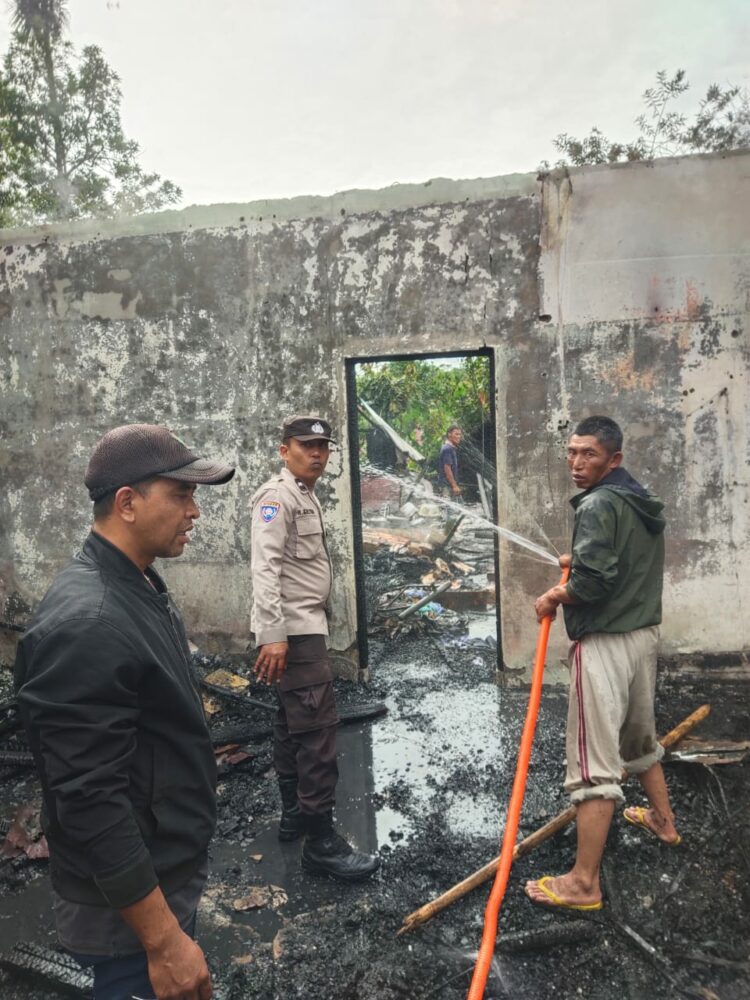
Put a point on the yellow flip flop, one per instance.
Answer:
(639, 819)
(555, 901)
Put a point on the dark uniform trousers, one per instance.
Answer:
(305, 729)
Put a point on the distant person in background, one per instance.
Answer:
(448, 463)
(418, 435)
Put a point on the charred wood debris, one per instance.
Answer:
(674, 925)
(429, 570)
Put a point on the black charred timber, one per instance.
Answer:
(359, 714)
(239, 733)
(10, 720)
(703, 958)
(16, 758)
(371, 710)
(660, 962)
(241, 699)
(450, 533)
(50, 969)
(570, 932)
(11, 627)
(243, 732)
(407, 612)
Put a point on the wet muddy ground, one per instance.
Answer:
(426, 786)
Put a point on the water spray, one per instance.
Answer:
(511, 536)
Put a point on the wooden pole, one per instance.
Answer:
(524, 847)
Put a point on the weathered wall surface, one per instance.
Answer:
(220, 333)
(646, 279)
(640, 275)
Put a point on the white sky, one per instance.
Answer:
(242, 99)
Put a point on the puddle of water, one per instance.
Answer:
(481, 626)
(470, 815)
(400, 670)
(227, 932)
(407, 753)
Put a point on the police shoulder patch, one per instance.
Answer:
(269, 510)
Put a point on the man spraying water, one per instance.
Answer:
(612, 607)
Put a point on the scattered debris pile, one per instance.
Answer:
(23, 836)
(675, 920)
(428, 571)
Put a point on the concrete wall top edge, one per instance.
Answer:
(437, 191)
(659, 163)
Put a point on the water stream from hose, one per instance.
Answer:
(415, 489)
(475, 461)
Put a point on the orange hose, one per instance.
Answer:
(489, 935)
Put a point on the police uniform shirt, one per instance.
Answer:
(291, 568)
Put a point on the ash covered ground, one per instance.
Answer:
(427, 785)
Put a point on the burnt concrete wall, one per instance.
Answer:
(645, 275)
(220, 321)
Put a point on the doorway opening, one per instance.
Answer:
(423, 465)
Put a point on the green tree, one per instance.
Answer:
(418, 393)
(60, 112)
(39, 25)
(721, 122)
(16, 152)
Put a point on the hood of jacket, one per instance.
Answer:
(648, 506)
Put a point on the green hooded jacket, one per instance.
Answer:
(618, 558)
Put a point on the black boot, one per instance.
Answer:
(290, 825)
(326, 853)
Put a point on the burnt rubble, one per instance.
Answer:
(427, 784)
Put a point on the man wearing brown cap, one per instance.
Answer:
(117, 728)
(291, 572)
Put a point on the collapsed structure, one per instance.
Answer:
(620, 289)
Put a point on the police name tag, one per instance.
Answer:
(268, 511)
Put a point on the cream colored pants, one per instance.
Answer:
(610, 712)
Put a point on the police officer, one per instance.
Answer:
(291, 573)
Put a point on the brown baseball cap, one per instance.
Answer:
(129, 454)
(307, 429)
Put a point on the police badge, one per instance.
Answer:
(269, 510)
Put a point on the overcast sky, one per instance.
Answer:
(242, 99)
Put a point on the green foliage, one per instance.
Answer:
(411, 394)
(65, 154)
(40, 21)
(721, 122)
(16, 152)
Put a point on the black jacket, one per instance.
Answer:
(118, 732)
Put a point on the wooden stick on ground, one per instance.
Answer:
(524, 847)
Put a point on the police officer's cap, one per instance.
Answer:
(307, 429)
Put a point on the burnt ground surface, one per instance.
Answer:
(427, 787)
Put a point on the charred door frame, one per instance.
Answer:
(353, 434)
